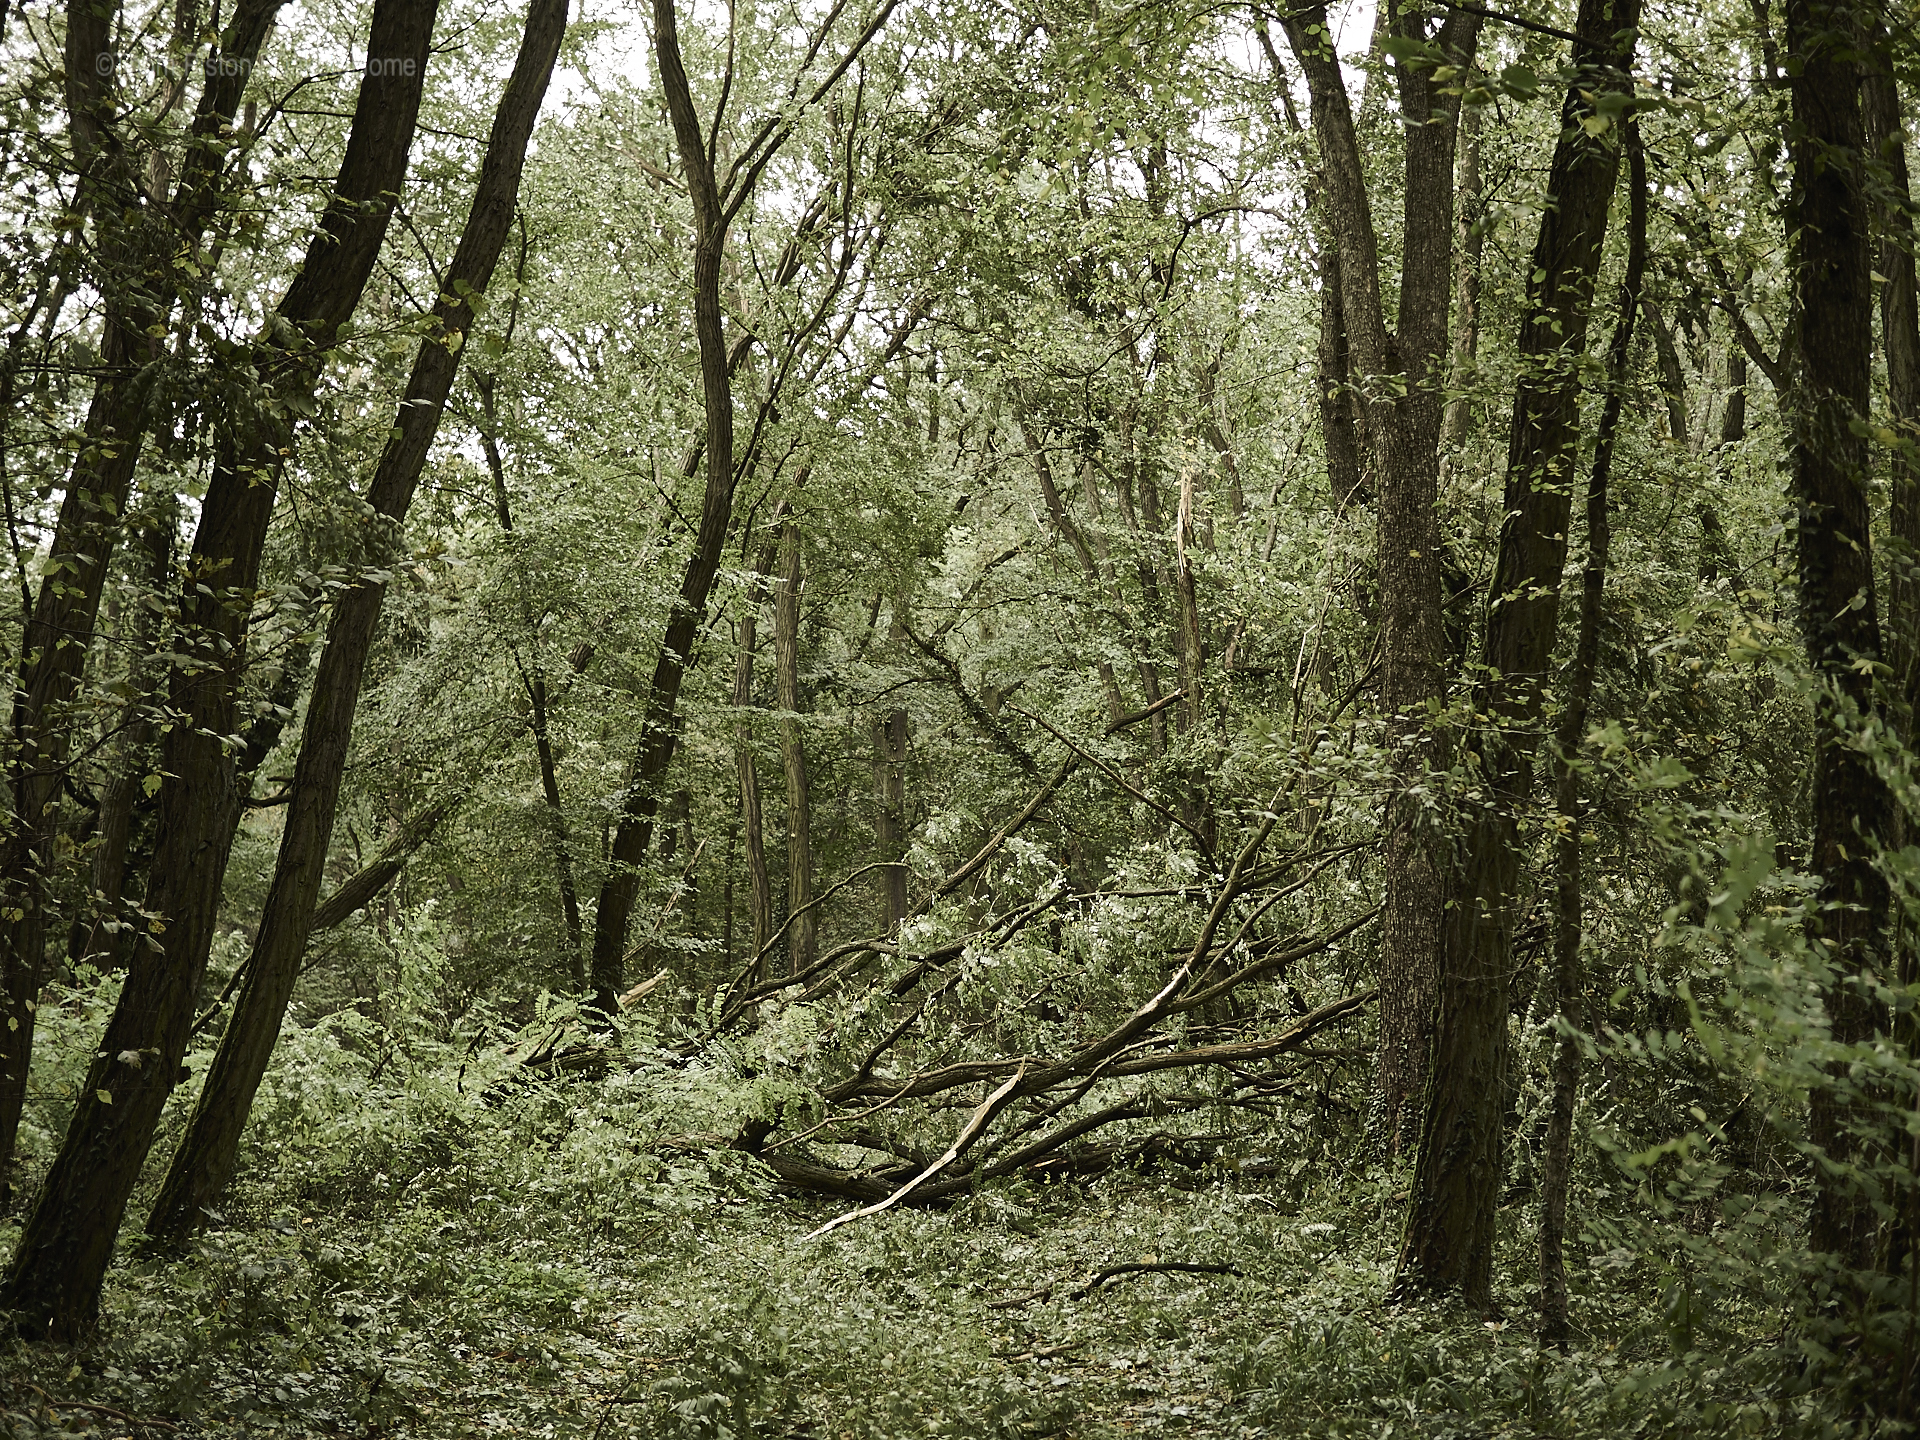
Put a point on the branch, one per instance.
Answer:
(972, 1131)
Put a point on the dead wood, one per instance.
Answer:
(1154, 1268)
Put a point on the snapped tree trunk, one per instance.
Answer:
(204, 1163)
(1569, 969)
(135, 246)
(1396, 375)
(1448, 1245)
(1828, 399)
(53, 1283)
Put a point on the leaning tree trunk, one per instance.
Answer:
(1569, 969)
(134, 248)
(1828, 401)
(1398, 377)
(53, 1283)
(1448, 1245)
(204, 1162)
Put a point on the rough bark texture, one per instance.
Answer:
(1571, 732)
(1448, 1246)
(1396, 376)
(1828, 399)
(204, 1162)
(1471, 241)
(1900, 333)
(134, 246)
(53, 1283)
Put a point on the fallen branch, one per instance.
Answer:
(1175, 1267)
(95, 1409)
(972, 1131)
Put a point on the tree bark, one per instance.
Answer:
(660, 723)
(1471, 241)
(1448, 1245)
(53, 1283)
(752, 819)
(134, 247)
(1900, 335)
(802, 936)
(1829, 396)
(1395, 374)
(97, 938)
(204, 1162)
(1569, 969)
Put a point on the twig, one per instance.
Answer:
(1045, 1292)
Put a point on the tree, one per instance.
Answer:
(203, 1164)
(53, 1282)
(1448, 1245)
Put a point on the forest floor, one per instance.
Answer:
(411, 1316)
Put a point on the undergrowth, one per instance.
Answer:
(428, 1243)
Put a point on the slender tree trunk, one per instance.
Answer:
(1396, 376)
(752, 820)
(1829, 399)
(1339, 434)
(890, 816)
(1470, 241)
(135, 247)
(53, 1283)
(1569, 970)
(97, 937)
(534, 674)
(660, 723)
(204, 1162)
(802, 936)
(1448, 1245)
(1673, 379)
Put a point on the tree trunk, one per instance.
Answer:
(752, 820)
(53, 1283)
(134, 247)
(1569, 970)
(204, 1162)
(98, 937)
(1900, 334)
(659, 723)
(1339, 435)
(1471, 239)
(1828, 401)
(890, 816)
(1448, 1245)
(802, 936)
(1395, 374)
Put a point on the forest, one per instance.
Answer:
(881, 718)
